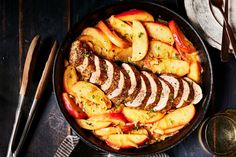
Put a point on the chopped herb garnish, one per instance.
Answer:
(140, 34)
(136, 127)
(93, 96)
(86, 55)
(89, 123)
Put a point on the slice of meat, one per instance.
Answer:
(164, 96)
(156, 89)
(110, 72)
(196, 90)
(148, 91)
(117, 91)
(96, 74)
(113, 73)
(120, 93)
(177, 84)
(103, 77)
(135, 81)
(186, 94)
(82, 59)
(138, 100)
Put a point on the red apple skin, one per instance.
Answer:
(72, 108)
(180, 39)
(115, 39)
(118, 116)
(126, 144)
(127, 127)
(135, 14)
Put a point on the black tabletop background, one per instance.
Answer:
(20, 21)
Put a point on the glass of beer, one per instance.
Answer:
(217, 134)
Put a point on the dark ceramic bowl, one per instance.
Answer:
(156, 11)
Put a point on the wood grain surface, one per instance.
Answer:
(20, 21)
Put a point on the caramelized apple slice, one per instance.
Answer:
(88, 91)
(92, 125)
(115, 39)
(70, 77)
(181, 116)
(140, 41)
(115, 118)
(162, 50)
(142, 116)
(159, 32)
(126, 140)
(99, 36)
(195, 72)
(108, 131)
(73, 109)
(121, 27)
(135, 14)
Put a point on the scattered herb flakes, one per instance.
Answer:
(89, 123)
(140, 34)
(171, 98)
(136, 127)
(85, 55)
(93, 96)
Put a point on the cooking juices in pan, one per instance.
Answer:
(132, 80)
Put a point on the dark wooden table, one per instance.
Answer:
(20, 21)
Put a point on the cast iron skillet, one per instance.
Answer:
(156, 11)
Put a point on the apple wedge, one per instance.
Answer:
(115, 118)
(127, 127)
(73, 109)
(92, 109)
(114, 38)
(181, 116)
(99, 36)
(141, 116)
(92, 125)
(140, 131)
(135, 14)
(108, 131)
(181, 40)
(140, 41)
(70, 77)
(86, 90)
(162, 50)
(121, 27)
(126, 140)
(160, 32)
(173, 130)
(167, 66)
(195, 72)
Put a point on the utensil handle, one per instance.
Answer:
(46, 72)
(225, 39)
(15, 126)
(25, 76)
(38, 94)
(26, 128)
(230, 33)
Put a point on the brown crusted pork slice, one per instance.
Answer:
(148, 91)
(142, 95)
(156, 89)
(113, 77)
(188, 94)
(197, 91)
(121, 92)
(177, 84)
(82, 59)
(166, 97)
(135, 81)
